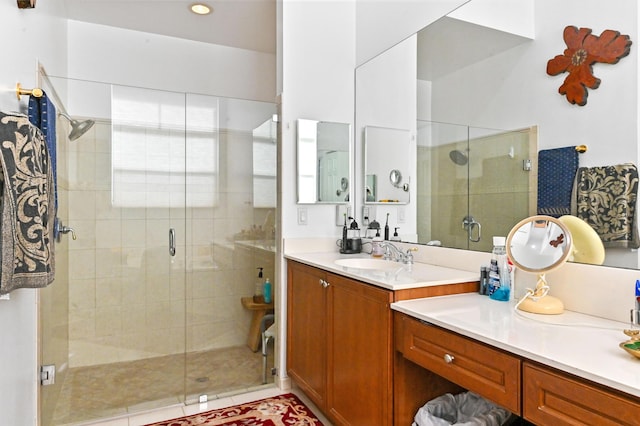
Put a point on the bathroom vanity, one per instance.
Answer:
(340, 332)
(371, 347)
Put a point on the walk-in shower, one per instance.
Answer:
(128, 326)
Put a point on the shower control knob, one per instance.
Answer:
(63, 229)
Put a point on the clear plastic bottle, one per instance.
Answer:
(258, 297)
(501, 289)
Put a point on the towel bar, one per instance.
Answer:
(37, 92)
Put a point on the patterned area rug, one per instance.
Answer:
(280, 410)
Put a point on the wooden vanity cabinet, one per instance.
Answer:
(435, 361)
(477, 367)
(339, 349)
(551, 397)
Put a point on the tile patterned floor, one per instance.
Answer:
(120, 389)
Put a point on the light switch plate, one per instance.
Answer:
(302, 216)
(401, 215)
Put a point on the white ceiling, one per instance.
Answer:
(244, 24)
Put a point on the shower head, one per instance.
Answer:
(458, 157)
(78, 128)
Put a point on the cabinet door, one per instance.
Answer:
(306, 331)
(359, 389)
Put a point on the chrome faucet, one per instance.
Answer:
(391, 252)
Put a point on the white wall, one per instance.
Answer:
(119, 56)
(512, 16)
(317, 66)
(382, 24)
(28, 35)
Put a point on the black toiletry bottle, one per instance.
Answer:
(386, 229)
(343, 247)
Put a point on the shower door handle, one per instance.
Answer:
(469, 223)
(172, 242)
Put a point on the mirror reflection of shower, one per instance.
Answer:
(458, 157)
(78, 128)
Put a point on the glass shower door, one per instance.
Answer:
(113, 321)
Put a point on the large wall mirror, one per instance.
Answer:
(324, 171)
(387, 176)
(484, 107)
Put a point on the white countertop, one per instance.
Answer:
(405, 277)
(580, 344)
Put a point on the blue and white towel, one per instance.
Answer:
(557, 170)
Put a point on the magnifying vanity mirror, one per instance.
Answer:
(539, 244)
(387, 153)
(323, 162)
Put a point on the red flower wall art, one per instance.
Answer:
(584, 50)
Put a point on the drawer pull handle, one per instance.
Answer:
(448, 358)
(325, 284)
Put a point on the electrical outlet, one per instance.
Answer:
(302, 216)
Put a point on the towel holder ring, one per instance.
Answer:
(36, 91)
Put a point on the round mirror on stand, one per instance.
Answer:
(539, 244)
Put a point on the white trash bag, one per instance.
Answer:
(464, 409)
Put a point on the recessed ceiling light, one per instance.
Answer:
(200, 9)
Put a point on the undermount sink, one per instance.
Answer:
(369, 264)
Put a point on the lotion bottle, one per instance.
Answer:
(267, 291)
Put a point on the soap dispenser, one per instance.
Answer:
(376, 249)
(395, 237)
(258, 296)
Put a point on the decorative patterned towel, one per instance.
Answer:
(556, 174)
(27, 206)
(606, 199)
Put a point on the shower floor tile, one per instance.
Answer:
(110, 390)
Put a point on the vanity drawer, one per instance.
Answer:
(552, 398)
(488, 372)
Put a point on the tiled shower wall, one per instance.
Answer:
(128, 299)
